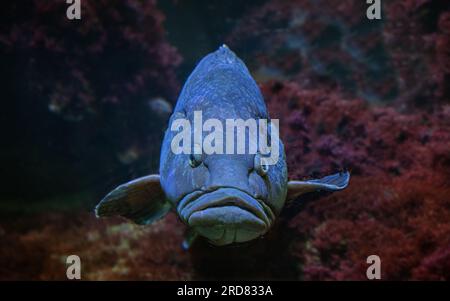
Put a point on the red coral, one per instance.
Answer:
(347, 133)
(397, 203)
(113, 249)
(435, 266)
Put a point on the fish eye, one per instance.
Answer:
(195, 159)
(261, 167)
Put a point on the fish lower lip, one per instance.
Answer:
(221, 198)
(227, 215)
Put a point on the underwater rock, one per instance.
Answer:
(324, 130)
(397, 206)
(114, 250)
(78, 91)
(57, 56)
(402, 58)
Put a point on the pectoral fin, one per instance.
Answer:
(333, 182)
(142, 201)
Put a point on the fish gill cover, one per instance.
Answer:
(370, 97)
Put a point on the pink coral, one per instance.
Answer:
(396, 205)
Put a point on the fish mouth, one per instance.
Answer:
(225, 214)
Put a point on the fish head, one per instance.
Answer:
(227, 198)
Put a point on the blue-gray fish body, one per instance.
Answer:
(226, 198)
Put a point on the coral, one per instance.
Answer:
(405, 223)
(320, 128)
(116, 53)
(403, 57)
(80, 90)
(435, 266)
(371, 97)
(396, 207)
(397, 203)
(114, 250)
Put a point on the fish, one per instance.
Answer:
(225, 198)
